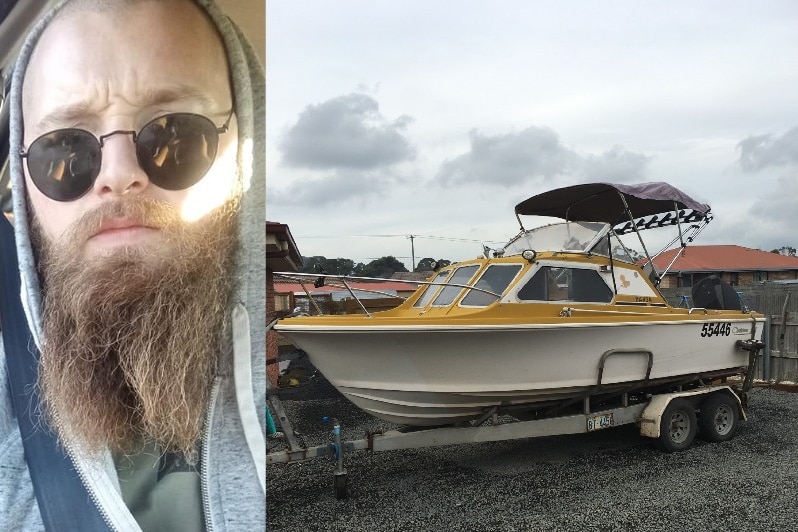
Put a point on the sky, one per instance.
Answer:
(435, 118)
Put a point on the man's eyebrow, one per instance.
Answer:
(154, 97)
(151, 97)
(65, 114)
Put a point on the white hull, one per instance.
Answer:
(433, 375)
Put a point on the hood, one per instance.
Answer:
(248, 306)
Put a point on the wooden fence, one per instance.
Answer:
(779, 303)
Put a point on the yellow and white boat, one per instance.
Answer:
(561, 314)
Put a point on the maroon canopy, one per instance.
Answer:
(602, 202)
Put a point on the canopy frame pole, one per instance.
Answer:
(640, 238)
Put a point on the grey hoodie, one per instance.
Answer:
(234, 452)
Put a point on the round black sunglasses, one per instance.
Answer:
(174, 150)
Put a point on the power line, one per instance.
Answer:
(428, 237)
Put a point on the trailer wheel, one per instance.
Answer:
(339, 484)
(719, 418)
(678, 426)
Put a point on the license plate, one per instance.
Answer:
(600, 422)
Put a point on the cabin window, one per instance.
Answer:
(619, 251)
(495, 279)
(430, 290)
(566, 284)
(460, 276)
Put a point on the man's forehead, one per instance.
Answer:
(180, 94)
(86, 59)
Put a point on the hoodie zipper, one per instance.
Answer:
(204, 474)
(206, 453)
(80, 470)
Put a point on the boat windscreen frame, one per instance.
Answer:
(586, 249)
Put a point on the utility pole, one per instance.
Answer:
(412, 252)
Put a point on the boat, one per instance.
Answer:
(563, 314)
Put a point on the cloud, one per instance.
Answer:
(336, 188)
(769, 222)
(760, 151)
(778, 204)
(515, 158)
(615, 166)
(346, 132)
(509, 159)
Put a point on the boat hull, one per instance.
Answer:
(444, 374)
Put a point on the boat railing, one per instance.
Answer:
(321, 279)
(568, 311)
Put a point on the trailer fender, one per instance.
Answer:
(652, 414)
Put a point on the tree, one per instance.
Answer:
(425, 264)
(383, 267)
(309, 264)
(320, 264)
(340, 266)
(789, 251)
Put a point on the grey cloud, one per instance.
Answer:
(616, 166)
(769, 222)
(760, 151)
(509, 159)
(346, 132)
(515, 158)
(339, 187)
(778, 204)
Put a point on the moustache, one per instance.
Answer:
(137, 211)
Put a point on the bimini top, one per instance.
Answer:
(604, 202)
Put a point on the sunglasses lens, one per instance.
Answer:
(64, 163)
(177, 150)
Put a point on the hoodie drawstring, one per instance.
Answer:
(242, 376)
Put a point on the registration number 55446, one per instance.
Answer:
(600, 422)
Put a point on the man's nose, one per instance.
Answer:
(120, 172)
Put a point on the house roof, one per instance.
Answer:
(282, 253)
(724, 258)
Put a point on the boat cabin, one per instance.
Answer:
(576, 267)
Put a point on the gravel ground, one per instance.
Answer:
(608, 480)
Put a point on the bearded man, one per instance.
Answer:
(138, 182)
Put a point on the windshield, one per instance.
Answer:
(566, 236)
(461, 276)
(496, 279)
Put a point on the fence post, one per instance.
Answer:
(782, 334)
(766, 359)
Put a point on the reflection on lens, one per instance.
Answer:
(177, 150)
(64, 163)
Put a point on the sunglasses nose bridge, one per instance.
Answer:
(117, 132)
(119, 172)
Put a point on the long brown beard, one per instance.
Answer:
(132, 339)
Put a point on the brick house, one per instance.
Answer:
(736, 265)
(282, 255)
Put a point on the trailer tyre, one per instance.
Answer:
(678, 426)
(719, 418)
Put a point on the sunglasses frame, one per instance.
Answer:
(23, 152)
